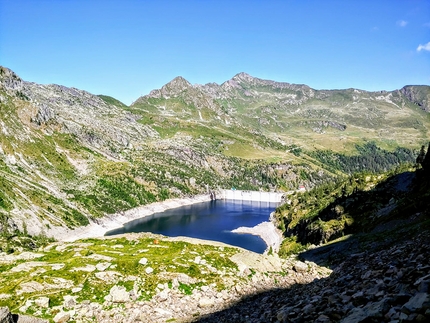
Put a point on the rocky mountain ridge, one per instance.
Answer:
(69, 157)
(287, 112)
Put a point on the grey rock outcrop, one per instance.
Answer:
(5, 315)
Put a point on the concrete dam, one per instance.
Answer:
(257, 196)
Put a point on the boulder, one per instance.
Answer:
(61, 317)
(300, 267)
(42, 302)
(119, 294)
(30, 319)
(5, 315)
(421, 301)
(69, 301)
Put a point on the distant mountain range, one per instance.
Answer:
(68, 156)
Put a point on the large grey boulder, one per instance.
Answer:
(5, 315)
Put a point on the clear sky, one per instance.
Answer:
(126, 48)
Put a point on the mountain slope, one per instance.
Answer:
(289, 113)
(68, 157)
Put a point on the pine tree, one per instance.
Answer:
(426, 162)
(421, 156)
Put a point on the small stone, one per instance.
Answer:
(300, 267)
(143, 261)
(69, 301)
(61, 317)
(416, 303)
(149, 270)
(119, 294)
(206, 302)
(42, 302)
(103, 266)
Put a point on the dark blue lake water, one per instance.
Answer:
(212, 220)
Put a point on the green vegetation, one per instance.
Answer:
(113, 101)
(370, 158)
(65, 267)
(354, 204)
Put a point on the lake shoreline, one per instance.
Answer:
(99, 227)
(267, 232)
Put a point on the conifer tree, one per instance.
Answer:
(426, 162)
(421, 156)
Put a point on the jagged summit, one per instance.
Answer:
(242, 76)
(173, 88)
(9, 80)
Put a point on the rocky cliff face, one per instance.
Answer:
(76, 112)
(419, 95)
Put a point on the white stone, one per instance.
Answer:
(57, 266)
(30, 287)
(61, 317)
(164, 295)
(108, 276)
(119, 294)
(143, 261)
(42, 302)
(162, 312)
(69, 301)
(87, 268)
(102, 266)
(206, 302)
(149, 270)
(300, 267)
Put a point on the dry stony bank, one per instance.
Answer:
(266, 230)
(100, 226)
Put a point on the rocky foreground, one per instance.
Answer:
(149, 278)
(139, 278)
(390, 285)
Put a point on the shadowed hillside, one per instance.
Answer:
(380, 272)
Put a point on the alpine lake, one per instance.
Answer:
(212, 220)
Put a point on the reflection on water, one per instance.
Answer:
(212, 220)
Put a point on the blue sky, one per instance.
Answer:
(126, 48)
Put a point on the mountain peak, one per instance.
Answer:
(179, 79)
(9, 79)
(242, 76)
(173, 88)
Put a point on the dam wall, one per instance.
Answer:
(258, 196)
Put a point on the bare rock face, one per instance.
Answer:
(419, 95)
(77, 112)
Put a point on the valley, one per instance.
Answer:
(74, 165)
